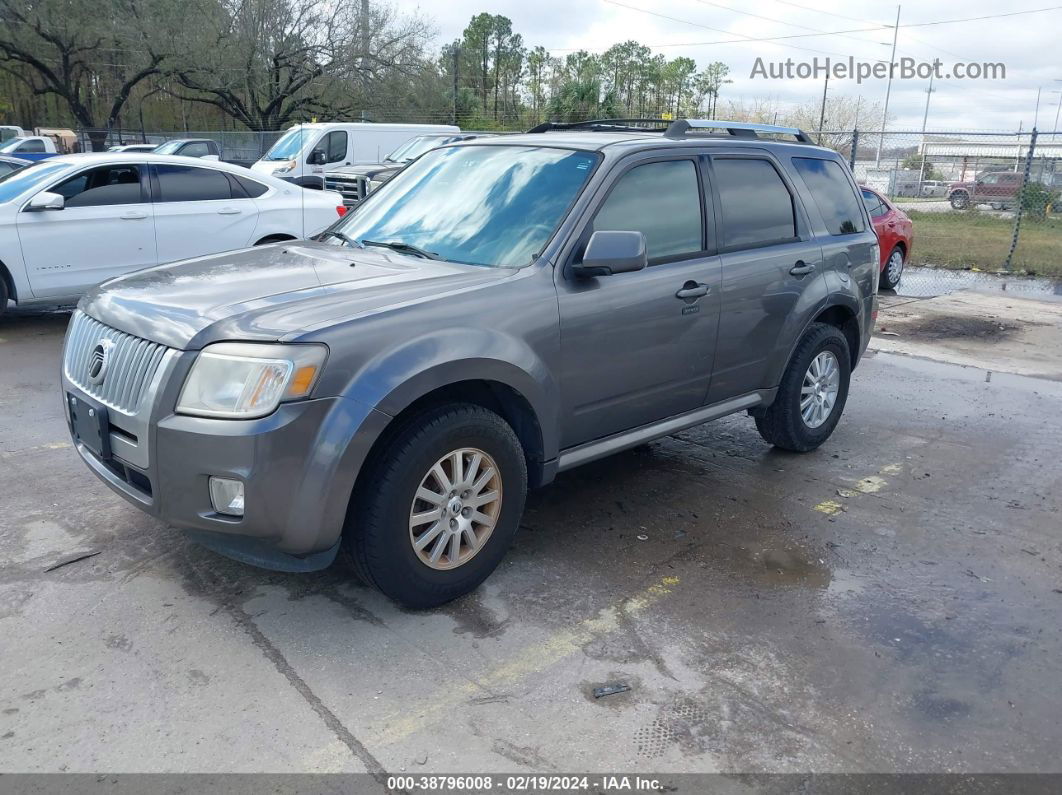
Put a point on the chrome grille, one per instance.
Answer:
(353, 189)
(132, 363)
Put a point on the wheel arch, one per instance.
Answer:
(274, 238)
(9, 283)
(846, 319)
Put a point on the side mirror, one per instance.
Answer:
(610, 252)
(46, 201)
(317, 158)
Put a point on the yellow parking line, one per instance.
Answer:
(529, 660)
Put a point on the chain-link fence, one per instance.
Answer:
(241, 146)
(985, 206)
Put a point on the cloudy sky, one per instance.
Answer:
(1028, 44)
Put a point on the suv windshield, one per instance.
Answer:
(289, 146)
(169, 147)
(479, 205)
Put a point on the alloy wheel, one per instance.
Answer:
(455, 508)
(818, 393)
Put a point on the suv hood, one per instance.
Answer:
(272, 292)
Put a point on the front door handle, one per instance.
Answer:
(802, 268)
(229, 211)
(692, 290)
(133, 215)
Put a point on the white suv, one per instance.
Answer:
(69, 223)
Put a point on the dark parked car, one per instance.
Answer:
(507, 309)
(357, 182)
(997, 188)
(190, 147)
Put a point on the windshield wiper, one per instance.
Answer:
(402, 248)
(345, 238)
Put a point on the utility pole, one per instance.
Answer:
(1036, 113)
(1054, 130)
(925, 119)
(457, 61)
(822, 113)
(888, 89)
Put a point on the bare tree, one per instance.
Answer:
(89, 54)
(267, 63)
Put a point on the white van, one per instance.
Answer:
(306, 151)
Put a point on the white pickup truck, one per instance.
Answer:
(31, 147)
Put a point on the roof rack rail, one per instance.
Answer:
(625, 125)
(739, 129)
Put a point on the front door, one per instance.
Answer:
(633, 350)
(105, 229)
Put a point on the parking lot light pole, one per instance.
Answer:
(925, 119)
(888, 90)
(1054, 130)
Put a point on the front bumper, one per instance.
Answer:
(298, 466)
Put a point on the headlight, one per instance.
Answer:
(284, 168)
(244, 380)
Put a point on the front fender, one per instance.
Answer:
(391, 381)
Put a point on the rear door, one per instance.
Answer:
(633, 350)
(199, 210)
(105, 229)
(772, 281)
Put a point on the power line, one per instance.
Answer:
(748, 40)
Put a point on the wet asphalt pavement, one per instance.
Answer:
(891, 602)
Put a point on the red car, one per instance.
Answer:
(895, 236)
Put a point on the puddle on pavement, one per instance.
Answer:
(926, 282)
(939, 327)
(773, 566)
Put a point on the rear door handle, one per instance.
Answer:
(802, 268)
(229, 211)
(133, 215)
(693, 290)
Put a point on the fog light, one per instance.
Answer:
(226, 495)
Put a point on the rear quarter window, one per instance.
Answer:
(833, 194)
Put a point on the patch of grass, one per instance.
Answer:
(974, 240)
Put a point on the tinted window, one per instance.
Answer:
(335, 146)
(250, 187)
(874, 205)
(6, 168)
(660, 200)
(31, 146)
(756, 206)
(197, 149)
(191, 184)
(833, 194)
(102, 186)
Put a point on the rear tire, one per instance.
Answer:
(893, 270)
(3, 294)
(786, 423)
(389, 517)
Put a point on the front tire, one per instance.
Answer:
(3, 295)
(438, 506)
(960, 200)
(812, 394)
(893, 270)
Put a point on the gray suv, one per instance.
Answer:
(502, 310)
